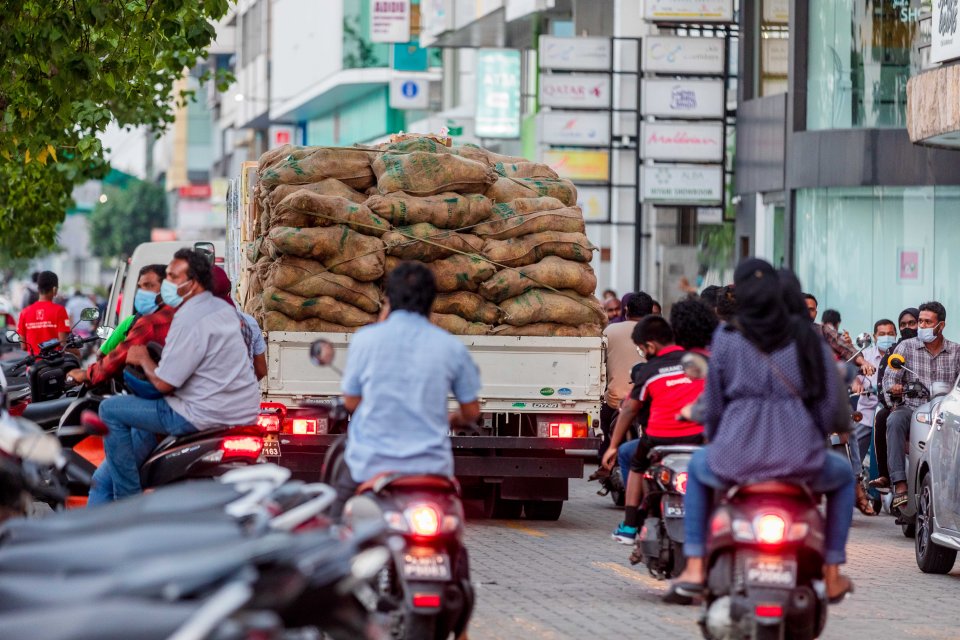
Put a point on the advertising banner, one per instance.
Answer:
(574, 54)
(575, 128)
(688, 10)
(576, 164)
(682, 141)
(580, 91)
(677, 184)
(498, 93)
(670, 98)
(670, 54)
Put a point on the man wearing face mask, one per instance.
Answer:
(934, 359)
(205, 373)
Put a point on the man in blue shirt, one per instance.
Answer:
(399, 375)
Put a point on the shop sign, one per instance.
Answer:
(577, 128)
(581, 91)
(409, 93)
(670, 54)
(595, 203)
(775, 56)
(776, 11)
(944, 32)
(574, 54)
(590, 166)
(195, 191)
(675, 184)
(390, 20)
(682, 141)
(688, 10)
(498, 93)
(709, 215)
(683, 98)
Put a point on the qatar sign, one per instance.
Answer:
(682, 141)
(580, 91)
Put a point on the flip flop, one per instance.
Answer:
(899, 499)
(840, 597)
(683, 593)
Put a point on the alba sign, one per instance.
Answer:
(575, 128)
(582, 91)
(669, 54)
(682, 141)
(675, 184)
(683, 98)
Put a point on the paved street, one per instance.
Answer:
(568, 579)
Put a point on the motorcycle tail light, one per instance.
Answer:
(241, 446)
(664, 477)
(742, 530)
(424, 520)
(426, 600)
(770, 528)
(680, 482)
(720, 523)
(768, 611)
(303, 426)
(798, 531)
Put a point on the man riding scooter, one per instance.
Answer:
(929, 358)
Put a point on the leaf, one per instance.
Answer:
(26, 157)
(42, 156)
(52, 151)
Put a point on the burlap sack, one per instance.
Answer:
(530, 215)
(276, 321)
(525, 170)
(426, 174)
(550, 330)
(489, 158)
(274, 155)
(308, 209)
(412, 145)
(519, 252)
(456, 273)
(328, 187)
(467, 305)
(541, 305)
(459, 326)
(507, 189)
(323, 307)
(550, 272)
(434, 243)
(340, 250)
(310, 279)
(307, 165)
(444, 210)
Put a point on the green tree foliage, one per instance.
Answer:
(118, 225)
(69, 69)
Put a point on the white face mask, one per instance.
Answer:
(928, 334)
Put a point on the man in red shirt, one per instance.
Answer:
(44, 320)
(660, 389)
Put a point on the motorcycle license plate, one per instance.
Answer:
(771, 571)
(672, 507)
(271, 447)
(433, 566)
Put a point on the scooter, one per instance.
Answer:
(426, 587)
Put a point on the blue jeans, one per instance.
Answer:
(835, 481)
(123, 415)
(101, 490)
(625, 455)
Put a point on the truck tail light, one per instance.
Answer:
(270, 422)
(303, 426)
(566, 427)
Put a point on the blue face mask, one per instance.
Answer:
(885, 342)
(928, 334)
(145, 301)
(170, 294)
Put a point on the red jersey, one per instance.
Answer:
(42, 321)
(661, 386)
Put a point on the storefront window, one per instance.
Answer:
(861, 55)
(870, 252)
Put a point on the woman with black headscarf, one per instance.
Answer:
(772, 395)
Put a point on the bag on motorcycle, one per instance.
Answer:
(456, 273)
(427, 174)
(525, 250)
(444, 210)
(341, 250)
(550, 330)
(524, 216)
(307, 209)
(459, 326)
(276, 321)
(424, 242)
(306, 165)
(310, 279)
(468, 306)
(552, 271)
(323, 307)
(507, 189)
(541, 305)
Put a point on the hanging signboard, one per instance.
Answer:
(944, 32)
(683, 98)
(776, 11)
(574, 54)
(390, 20)
(688, 10)
(682, 141)
(409, 93)
(590, 166)
(775, 56)
(677, 184)
(498, 93)
(671, 54)
(580, 91)
(575, 128)
(595, 203)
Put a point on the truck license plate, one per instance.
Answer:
(771, 571)
(271, 447)
(433, 566)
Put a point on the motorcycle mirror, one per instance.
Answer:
(322, 353)
(91, 314)
(896, 361)
(694, 366)
(104, 332)
(12, 336)
(41, 448)
(864, 340)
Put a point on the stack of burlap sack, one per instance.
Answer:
(503, 237)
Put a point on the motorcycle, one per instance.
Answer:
(425, 588)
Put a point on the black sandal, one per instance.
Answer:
(899, 499)
(683, 593)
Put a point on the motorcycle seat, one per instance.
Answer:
(203, 434)
(659, 453)
(47, 413)
(771, 487)
(406, 482)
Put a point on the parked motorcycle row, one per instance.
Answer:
(225, 547)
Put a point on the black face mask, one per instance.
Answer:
(906, 334)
